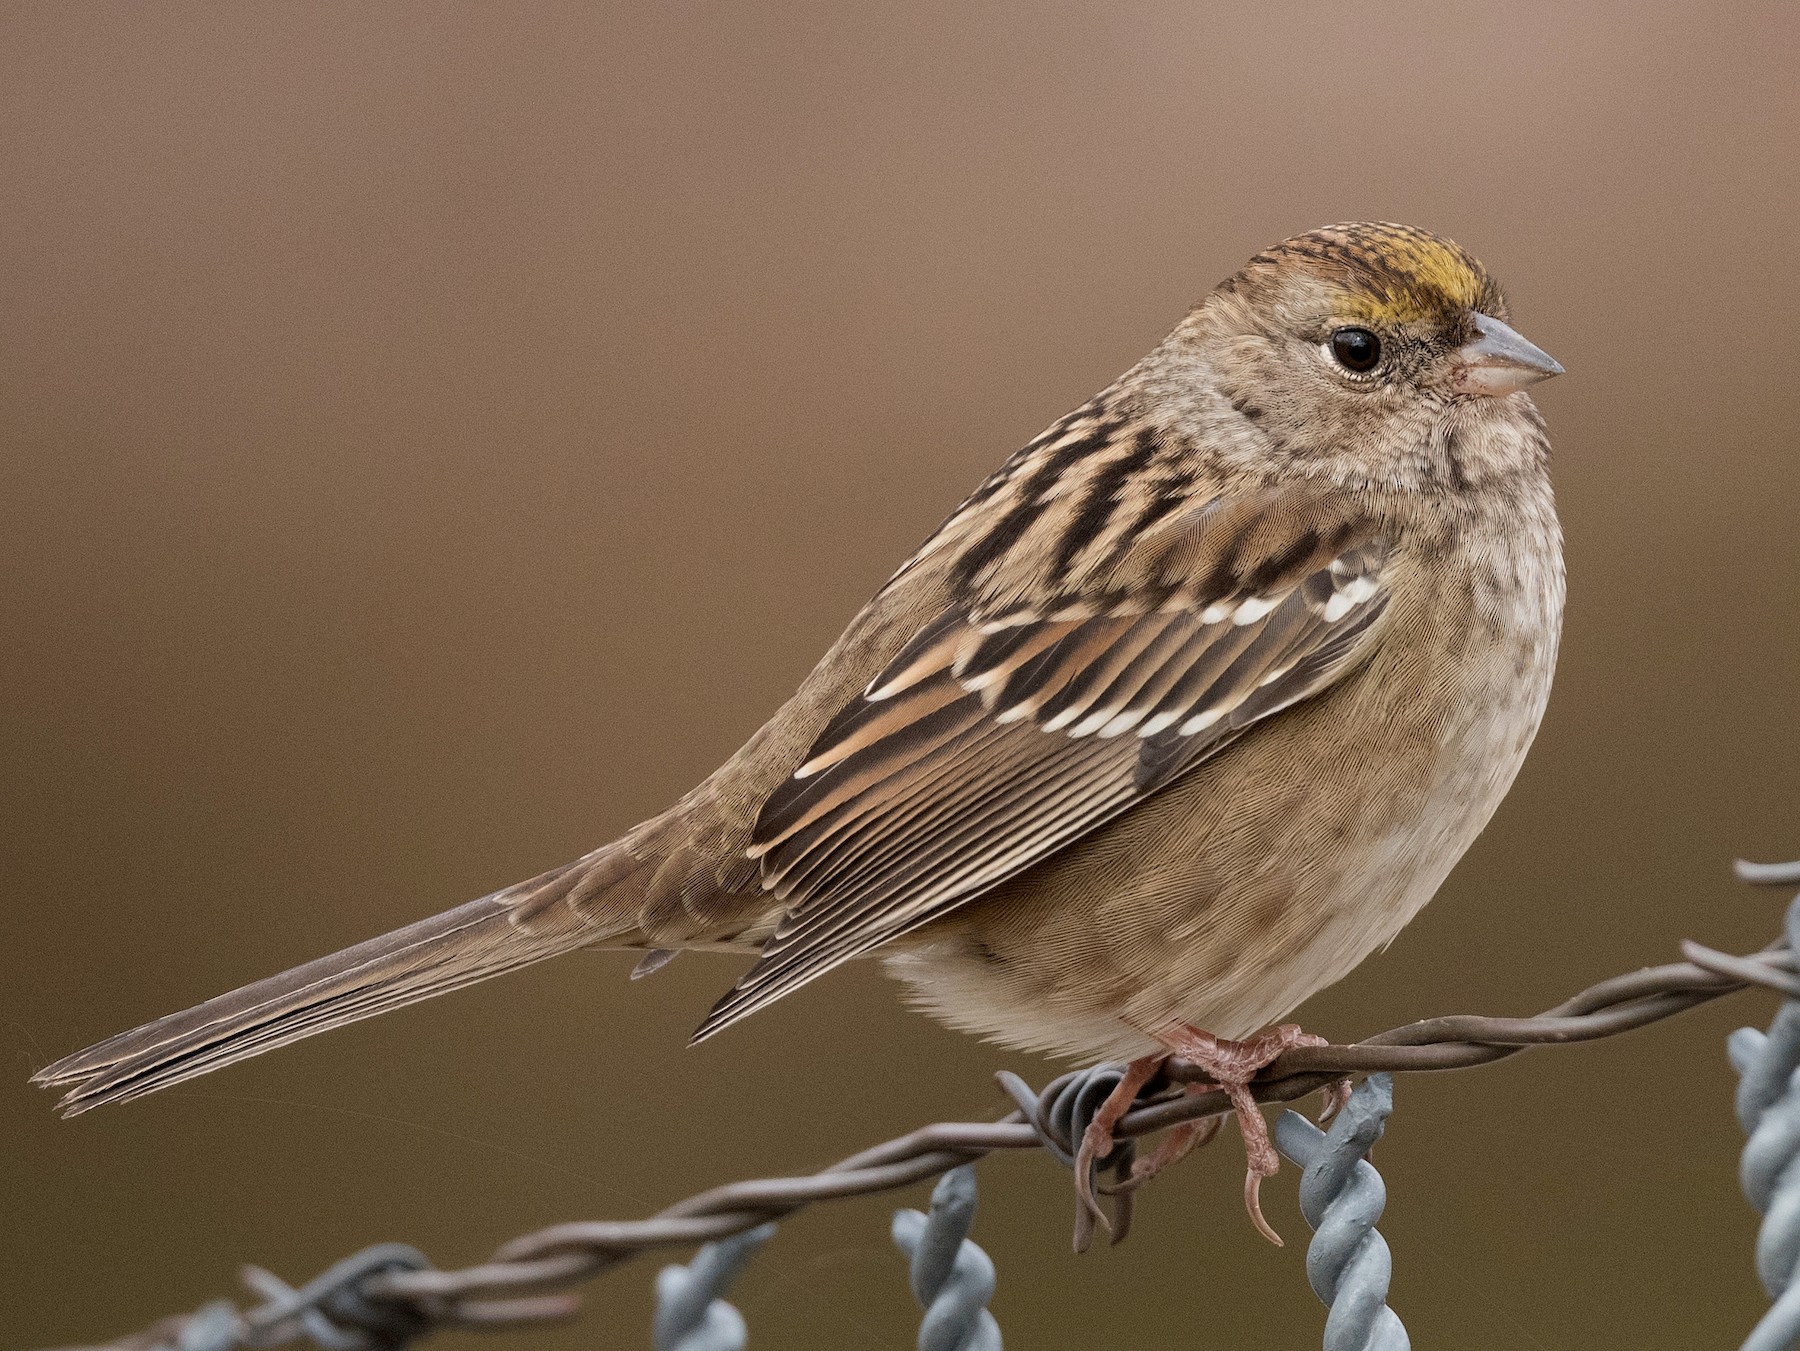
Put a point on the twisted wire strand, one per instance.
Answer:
(690, 1313)
(951, 1277)
(332, 1308)
(1060, 1116)
(1348, 1263)
(513, 1286)
(1768, 1108)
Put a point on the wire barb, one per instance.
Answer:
(951, 1277)
(1348, 1263)
(690, 1313)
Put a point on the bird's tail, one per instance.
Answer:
(508, 929)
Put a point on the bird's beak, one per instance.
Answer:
(1499, 361)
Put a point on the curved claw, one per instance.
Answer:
(1337, 1093)
(1253, 1204)
(1097, 1144)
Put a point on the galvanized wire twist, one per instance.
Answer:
(333, 1310)
(690, 1315)
(951, 1277)
(1768, 1108)
(1341, 1195)
(340, 1309)
(213, 1328)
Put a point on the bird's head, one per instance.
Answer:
(1382, 350)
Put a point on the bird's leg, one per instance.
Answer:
(1097, 1139)
(1181, 1141)
(1232, 1065)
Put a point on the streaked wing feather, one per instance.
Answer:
(1166, 757)
(990, 741)
(1000, 826)
(915, 800)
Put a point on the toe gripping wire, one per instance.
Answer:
(1341, 1196)
(1768, 1108)
(1060, 1116)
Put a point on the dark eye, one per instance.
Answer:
(1356, 349)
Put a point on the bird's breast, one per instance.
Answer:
(1271, 870)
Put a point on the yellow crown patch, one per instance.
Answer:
(1391, 273)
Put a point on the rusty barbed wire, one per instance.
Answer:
(372, 1310)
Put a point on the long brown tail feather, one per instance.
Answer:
(459, 947)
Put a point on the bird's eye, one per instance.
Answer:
(1356, 349)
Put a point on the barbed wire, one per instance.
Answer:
(387, 1295)
(1060, 1116)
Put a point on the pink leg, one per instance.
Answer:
(1176, 1146)
(1232, 1065)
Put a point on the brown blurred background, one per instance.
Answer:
(435, 434)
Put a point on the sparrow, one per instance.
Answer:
(1186, 710)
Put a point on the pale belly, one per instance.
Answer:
(1265, 875)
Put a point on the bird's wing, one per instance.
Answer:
(999, 734)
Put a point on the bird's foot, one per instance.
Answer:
(1097, 1143)
(1176, 1146)
(1231, 1065)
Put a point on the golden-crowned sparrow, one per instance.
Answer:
(1189, 708)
